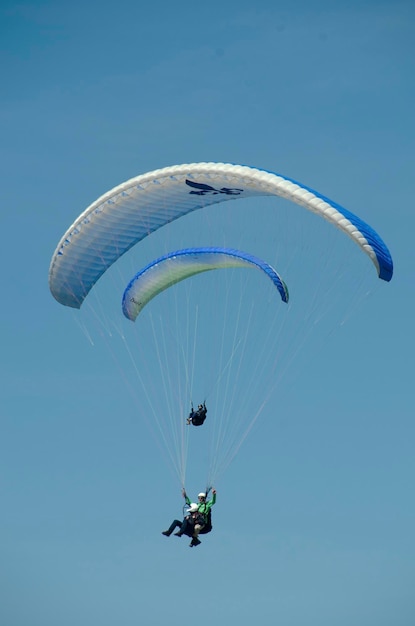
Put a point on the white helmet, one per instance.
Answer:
(201, 495)
(193, 508)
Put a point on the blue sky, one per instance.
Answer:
(314, 519)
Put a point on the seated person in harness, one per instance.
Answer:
(197, 417)
(190, 526)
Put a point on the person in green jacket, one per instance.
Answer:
(204, 507)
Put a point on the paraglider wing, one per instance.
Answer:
(125, 215)
(181, 264)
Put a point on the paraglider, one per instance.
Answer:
(177, 266)
(126, 215)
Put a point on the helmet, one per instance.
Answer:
(193, 508)
(201, 495)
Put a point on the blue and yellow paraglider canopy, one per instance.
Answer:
(181, 264)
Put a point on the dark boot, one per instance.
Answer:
(195, 542)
